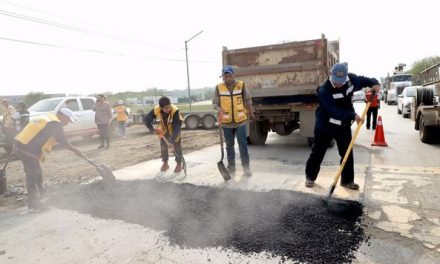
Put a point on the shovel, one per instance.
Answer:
(162, 136)
(350, 147)
(221, 166)
(104, 171)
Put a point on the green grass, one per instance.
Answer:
(182, 107)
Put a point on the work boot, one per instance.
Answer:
(165, 166)
(178, 168)
(352, 186)
(310, 184)
(247, 172)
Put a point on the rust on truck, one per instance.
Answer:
(282, 80)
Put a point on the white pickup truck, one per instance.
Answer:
(82, 108)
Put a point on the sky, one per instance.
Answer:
(93, 46)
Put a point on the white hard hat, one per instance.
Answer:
(69, 113)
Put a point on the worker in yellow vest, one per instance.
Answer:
(121, 117)
(233, 102)
(38, 137)
(170, 122)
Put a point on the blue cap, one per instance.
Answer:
(228, 69)
(339, 73)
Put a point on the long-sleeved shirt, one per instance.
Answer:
(8, 117)
(103, 113)
(34, 147)
(247, 101)
(177, 123)
(336, 109)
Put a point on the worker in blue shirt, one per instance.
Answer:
(334, 118)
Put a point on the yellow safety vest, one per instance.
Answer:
(232, 104)
(168, 126)
(34, 127)
(121, 114)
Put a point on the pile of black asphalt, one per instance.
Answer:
(291, 225)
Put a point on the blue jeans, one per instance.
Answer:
(242, 145)
(122, 128)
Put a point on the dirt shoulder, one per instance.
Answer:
(62, 167)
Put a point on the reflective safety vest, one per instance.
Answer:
(232, 104)
(374, 101)
(168, 126)
(33, 128)
(121, 113)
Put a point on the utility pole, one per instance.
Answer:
(187, 67)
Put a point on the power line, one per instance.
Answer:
(43, 12)
(80, 29)
(97, 51)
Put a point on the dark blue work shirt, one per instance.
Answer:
(336, 109)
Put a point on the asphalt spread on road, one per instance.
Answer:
(292, 225)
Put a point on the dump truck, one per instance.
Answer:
(282, 80)
(396, 83)
(425, 107)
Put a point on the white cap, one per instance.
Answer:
(67, 112)
(120, 102)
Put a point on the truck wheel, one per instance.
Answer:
(257, 135)
(208, 122)
(427, 96)
(418, 96)
(425, 132)
(192, 122)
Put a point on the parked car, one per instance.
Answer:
(392, 97)
(82, 108)
(404, 101)
(358, 96)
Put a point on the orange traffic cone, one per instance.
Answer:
(379, 137)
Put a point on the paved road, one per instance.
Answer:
(399, 184)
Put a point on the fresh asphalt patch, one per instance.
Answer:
(295, 226)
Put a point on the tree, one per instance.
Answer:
(420, 65)
(33, 97)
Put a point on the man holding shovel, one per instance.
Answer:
(334, 118)
(39, 136)
(170, 123)
(234, 104)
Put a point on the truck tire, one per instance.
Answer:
(427, 96)
(208, 121)
(192, 122)
(257, 135)
(426, 133)
(418, 96)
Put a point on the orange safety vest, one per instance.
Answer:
(232, 104)
(374, 101)
(121, 113)
(167, 125)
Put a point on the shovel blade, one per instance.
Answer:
(223, 171)
(106, 173)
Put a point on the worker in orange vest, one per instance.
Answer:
(374, 107)
(122, 117)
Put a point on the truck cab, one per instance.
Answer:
(395, 85)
